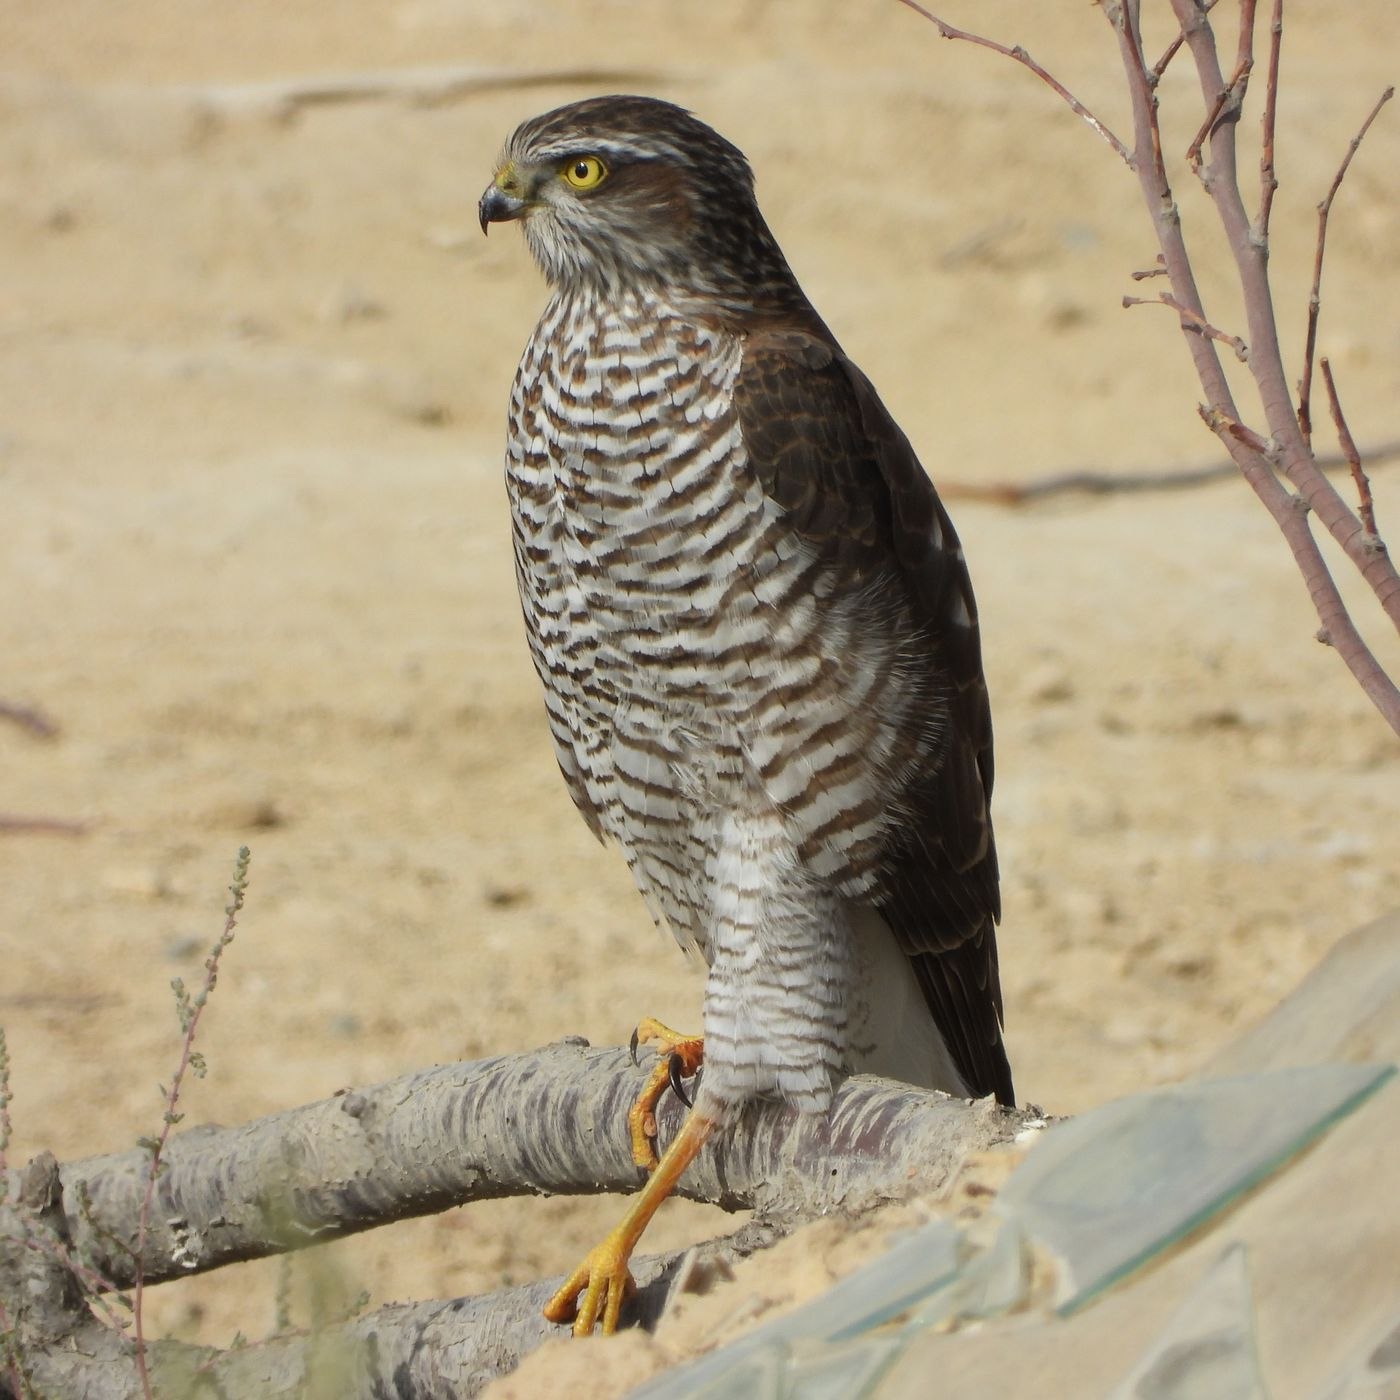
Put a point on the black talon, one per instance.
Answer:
(677, 1083)
(632, 1046)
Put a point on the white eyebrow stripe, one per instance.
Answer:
(581, 145)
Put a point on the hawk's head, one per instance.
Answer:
(621, 191)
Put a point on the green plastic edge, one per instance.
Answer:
(1384, 1073)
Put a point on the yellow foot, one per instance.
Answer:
(680, 1058)
(597, 1289)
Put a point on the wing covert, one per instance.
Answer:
(827, 451)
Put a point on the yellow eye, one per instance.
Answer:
(584, 173)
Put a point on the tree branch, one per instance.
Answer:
(1266, 365)
(1365, 505)
(1228, 101)
(1170, 52)
(18, 824)
(450, 1347)
(550, 1122)
(30, 718)
(1019, 55)
(1268, 179)
(1193, 321)
(1324, 211)
(1285, 450)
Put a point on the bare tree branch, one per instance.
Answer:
(441, 1348)
(20, 824)
(1266, 365)
(448, 1348)
(1228, 101)
(1324, 212)
(1192, 321)
(1285, 451)
(948, 31)
(1366, 505)
(551, 1122)
(1159, 270)
(1150, 168)
(27, 717)
(1268, 178)
(1170, 52)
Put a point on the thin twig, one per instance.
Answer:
(1226, 427)
(13, 823)
(98, 1282)
(1244, 52)
(1366, 506)
(1324, 211)
(1157, 192)
(1159, 271)
(1268, 179)
(27, 717)
(95, 1284)
(1016, 52)
(191, 1009)
(1166, 221)
(1158, 163)
(1193, 321)
(1160, 66)
(1231, 95)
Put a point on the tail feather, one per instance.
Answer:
(892, 1031)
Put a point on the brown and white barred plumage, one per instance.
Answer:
(752, 620)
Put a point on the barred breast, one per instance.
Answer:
(723, 705)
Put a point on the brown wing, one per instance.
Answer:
(828, 452)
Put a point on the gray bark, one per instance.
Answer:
(551, 1122)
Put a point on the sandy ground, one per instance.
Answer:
(254, 558)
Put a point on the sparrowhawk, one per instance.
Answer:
(756, 635)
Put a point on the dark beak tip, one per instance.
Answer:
(497, 207)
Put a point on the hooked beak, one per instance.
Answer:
(503, 200)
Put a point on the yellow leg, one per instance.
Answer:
(681, 1056)
(600, 1285)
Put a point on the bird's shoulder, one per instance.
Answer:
(804, 439)
(829, 453)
